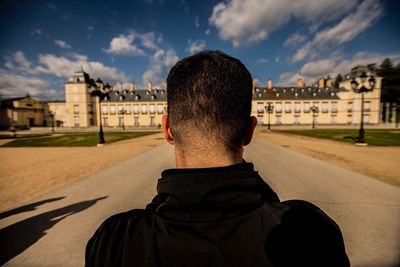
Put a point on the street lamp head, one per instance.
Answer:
(372, 82)
(354, 84)
(363, 77)
(99, 83)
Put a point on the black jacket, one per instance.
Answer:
(225, 216)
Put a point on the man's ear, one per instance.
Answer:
(250, 130)
(167, 130)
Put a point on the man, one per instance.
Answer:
(214, 209)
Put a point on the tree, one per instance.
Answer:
(390, 81)
(338, 79)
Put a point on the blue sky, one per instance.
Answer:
(44, 42)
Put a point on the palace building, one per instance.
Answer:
(301, 104)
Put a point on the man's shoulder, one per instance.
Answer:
(110, 234)
(307, 234)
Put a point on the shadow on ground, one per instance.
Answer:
(16, 238)
(29, 207)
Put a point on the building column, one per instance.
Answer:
(393, 119)
(387, 112)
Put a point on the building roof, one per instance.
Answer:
(136, 96)
(296, 93)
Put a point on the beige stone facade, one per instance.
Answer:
(21, 113)
(133, 108)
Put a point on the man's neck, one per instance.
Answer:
(206, 160)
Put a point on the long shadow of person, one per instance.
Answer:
(16, 238)
(29, 207)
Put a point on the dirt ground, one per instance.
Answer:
(26, 173)
(381, 163)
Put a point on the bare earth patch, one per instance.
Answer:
(381, 163)
(26, 173)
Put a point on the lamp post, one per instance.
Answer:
(269, 109)
(314, 110)
(361, 88)
(101, 91)
(51, 115)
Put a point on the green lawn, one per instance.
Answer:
(373, 137)
(74, 139)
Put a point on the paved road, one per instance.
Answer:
(53, 230)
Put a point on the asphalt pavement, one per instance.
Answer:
(53, 229)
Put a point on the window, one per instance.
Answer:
(128, 109)
(136, 109)
(120, 121)
(334, 107)
(160, 109)
(75, 88)
(324, 107)
(136, 121)
(297, 107)
(366, 118)
(367, 106)
(76, 109)
(152, 109)
(75, 98)
(350, 106)
(333, 119)
(278, 120)
(120, 109)
(76, 121)
(104, 109)
(105, 121)
(144, 109)
(306, 107)
(288, 107)
(152, 121)
(260, 107)
(112, 109)
(296, 120)
(90, 109)
(278, 107)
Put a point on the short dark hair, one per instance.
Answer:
(210, 93)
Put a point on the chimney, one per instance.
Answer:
(254, 84)
(149, 86)
(329, 82)
(321, 83)
(269, 84)
(132, 86)
(299, 82)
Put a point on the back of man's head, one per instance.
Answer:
(209, 100)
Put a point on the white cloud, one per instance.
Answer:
(160, 62)
(64, 67)
(195, 46)
(62, 44)
(12, 85)
(248, 22)
(294, 39)
(348, 28)
(123, 45)
(262, 60)
(134, 44)
(149, 40)
(277, 59)
(20, 76)
(197, 21)
(333, 65)
(207, 32)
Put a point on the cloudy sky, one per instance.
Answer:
(44, 42)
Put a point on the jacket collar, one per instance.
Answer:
(235, 187)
